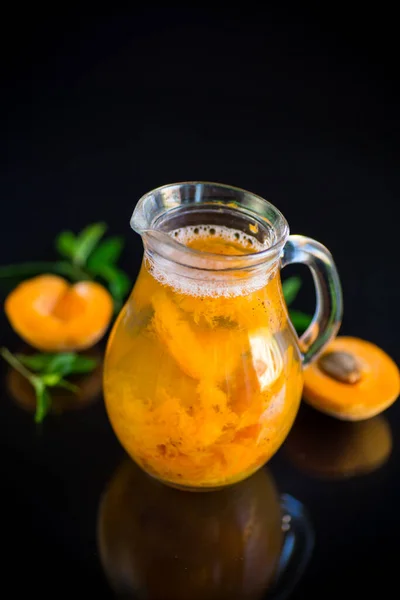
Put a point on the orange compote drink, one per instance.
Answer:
(203, 383)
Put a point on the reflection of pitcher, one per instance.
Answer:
(162, 543)
(203, 370)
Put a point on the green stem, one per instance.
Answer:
(65, 268)
(72, 271)
(68, 386)
(14, 362)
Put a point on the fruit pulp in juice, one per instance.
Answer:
(202, 387)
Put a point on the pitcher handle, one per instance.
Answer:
(329, 305)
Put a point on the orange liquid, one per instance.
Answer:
(202, 390)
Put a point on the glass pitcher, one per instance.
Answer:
(203, 370)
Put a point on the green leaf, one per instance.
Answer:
(43, 400)
(70, 363)
(291, 288)
(86, 242)
(118, 281)
(120, 284)
(50, 369)
(48, 363)
(107, 252)
(61, 364)
(35, 362)
(66, 244)
(29, 269)
(64, 363)
(300, 320)
(84, 364)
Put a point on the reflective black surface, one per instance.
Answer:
(241, 542)
(95, 112)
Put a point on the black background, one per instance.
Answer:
(300, 108)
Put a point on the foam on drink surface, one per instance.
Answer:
(202, 283)
(217, 240)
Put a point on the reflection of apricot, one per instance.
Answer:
(161, 543)
(52, 315)
(89, 384)
(352, 380)
(325, 447)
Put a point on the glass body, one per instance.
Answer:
(203, 372)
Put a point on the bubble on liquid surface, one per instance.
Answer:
(211, 283)
(247, 243)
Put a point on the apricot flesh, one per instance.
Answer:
(53, 315)
(376, 389)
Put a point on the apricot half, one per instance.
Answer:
(52, 315)
(352, 380)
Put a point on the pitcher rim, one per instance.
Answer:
(224, 261)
